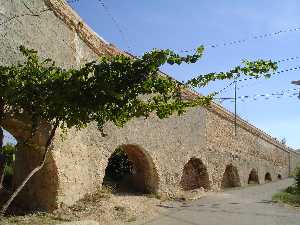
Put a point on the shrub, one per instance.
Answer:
(9, 153)
(291, 190)
(292, 199)
(119, 166)
(297, 178)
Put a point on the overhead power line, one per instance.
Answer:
(279, 94)
(274, 73)
(254, 37)
(72, 1)
(114, 20)
(116, 23)
(288, 59)
(255, 78)
(225, 89)
(227, 43)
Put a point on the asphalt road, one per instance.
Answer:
(246, 206)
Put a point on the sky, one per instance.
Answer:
(138, 26)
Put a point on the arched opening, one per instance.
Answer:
(40, 192)
(231, 177)
(7, 159)
(268, 177)
(194, 175)
(131, 169)
(253, 177)
(279, 177)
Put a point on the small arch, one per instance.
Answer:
(41, 191)
(231, 177)
(194, 175)
(131, 169)
(7, 158)
(279, 177)
(253, 177)
(268, 177)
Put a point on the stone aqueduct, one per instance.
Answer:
(198, 149)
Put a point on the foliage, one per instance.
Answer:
(110, 89)
(250, 68)
(291, 190)
(288, 198)
(291, 195)
(119, 166)
(107, 90)
(297, 179)
(8, 151)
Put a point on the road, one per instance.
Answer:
(246, 206)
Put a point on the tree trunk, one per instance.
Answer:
(2, 158)
(1, 137)
(2, 179)
(1, 118)
(32, 173)
(2, 167)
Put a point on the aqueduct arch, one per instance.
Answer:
(194, 175)
(142, 177)
(42, 189)
(253, 177)
(268, 177)
(231, 177)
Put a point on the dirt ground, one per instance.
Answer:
(105, 208)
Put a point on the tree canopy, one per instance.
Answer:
(115, 88)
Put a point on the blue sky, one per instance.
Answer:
(180, 25)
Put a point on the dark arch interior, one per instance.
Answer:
(231, 177)
(194, 175)
(268, 177)
(279, 176)
(253, 177)
(131, 169)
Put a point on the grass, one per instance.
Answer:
(290, 196)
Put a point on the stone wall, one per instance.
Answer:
(76, 165)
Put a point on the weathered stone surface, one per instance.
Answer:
(160, 149)
(82, 222)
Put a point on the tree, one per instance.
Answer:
(283, 141)
(2, 157)
(7, 153)
(115, 89)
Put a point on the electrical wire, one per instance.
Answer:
(116, 23)
(72, 1)
(255, 78)
(254, 37)
(278, 94)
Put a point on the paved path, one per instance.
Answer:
(247, 206)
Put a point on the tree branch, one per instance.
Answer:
(33, 172)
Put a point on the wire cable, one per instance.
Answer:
(252, 78)
(277, 94)
(254, 37)
(117, 25)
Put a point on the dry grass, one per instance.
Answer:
(106, 208)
